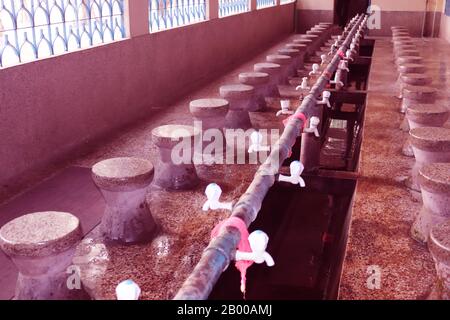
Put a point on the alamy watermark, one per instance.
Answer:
(374, 19)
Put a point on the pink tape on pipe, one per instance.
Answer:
(243, 246)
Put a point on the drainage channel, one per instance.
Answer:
(308, 227)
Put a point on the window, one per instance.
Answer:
(33, 29)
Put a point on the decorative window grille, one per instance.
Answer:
(230, 7)
(34, 29)
(264, 3)
(167, 14)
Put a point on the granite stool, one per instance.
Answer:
(408, 59)
(302, 48)
(407, 52)
(295, 55)
(171, 172)
(430, 145)
(424, 115)
(274, 72)
(316, 43)
(416, 95)
(285, 63)
(434, 182)
(123, 183)
(259, 81)
(439, 246)
(308, 42)
(414, 79)
(211, 114)
(41, 246)
(240, 97)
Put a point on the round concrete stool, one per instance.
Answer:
(308, 42)
(430, 145)
(175, 170)
(240, 97)
(274, 72)
(316, 43)
(423, 115)
(259, 81)
(400, 33)
(295, 55)
(210, 113)
(302, 48)
(416, 95)
(400, 53)
(411, 68)
(285, 63)
(41, 245)
(439, 246)
(434, 182)
(123, 183)
(399, 44)
(408, 59)
(413, 79)
(402, 38)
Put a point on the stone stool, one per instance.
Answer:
(240, 97)
(408, 59)
(302, 48)
(400, 33)
(402, 38)
(405, 69)
(423, 115)
(414, 79)
(211, 114)
(295, 55)
(416, 95)
(316, 42)
(408, 52)
(274, 72)
(259, 81)
(434, 182)
(308, 42)
(171, 172)
(439, 246)
(411, 68)
(430, 145)
(285, 63)
(41, 245)
(123, 183)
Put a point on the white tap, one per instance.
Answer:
(296, 169)
(284, 108)
(325, 99)
(258, 243)
(323, 59)
(303, 85)
(313, 123)
(337, 80)
(128, 290)
(256, 139)
(348, 55)
(213, 193)
(343, 65)
(333, 49)
(315, 69)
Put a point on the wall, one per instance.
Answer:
(51, 107)
(310, 12)
(445, 25)
(409, 13)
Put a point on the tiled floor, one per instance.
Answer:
(384, 209)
